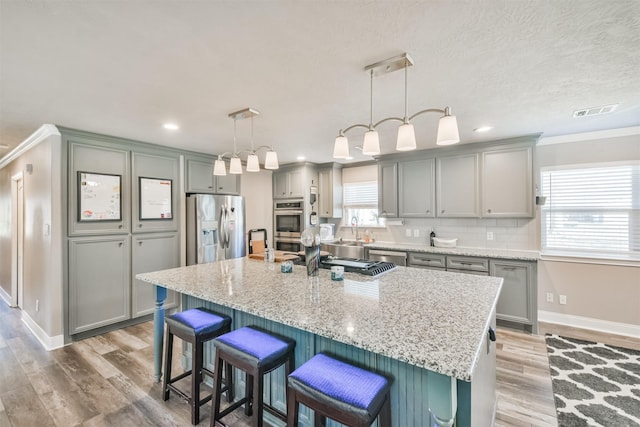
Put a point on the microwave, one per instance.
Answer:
(288, 218)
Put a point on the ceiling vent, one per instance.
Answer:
(595, 111)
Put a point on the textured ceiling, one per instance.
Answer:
(124, 68)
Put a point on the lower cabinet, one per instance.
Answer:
(152, 252)
(102, 285)
(99, 284)
(517, 301)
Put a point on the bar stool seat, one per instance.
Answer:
(195, 326)
(340, 391)
(255, 352)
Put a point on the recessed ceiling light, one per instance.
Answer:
(483, 129)
(300, 158)
(171, 126)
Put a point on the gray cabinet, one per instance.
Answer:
(518, 298)
(99, 282)
(200, 179)
(388, 189)
(152, 252)
(507, 187)
(457, 187)
(416, 188)
(427, 260)
(91, 157)
(289, 184)
(156, 167)
(330, 192)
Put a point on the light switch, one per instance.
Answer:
(407, 232)
(416, 232)
(46, 229)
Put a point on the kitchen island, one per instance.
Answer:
(428, 330)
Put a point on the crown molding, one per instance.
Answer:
(588, 136)
(34, 139)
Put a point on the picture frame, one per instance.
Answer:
(99, 197)
(155, 199)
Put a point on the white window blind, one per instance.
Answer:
(592, 211)
(361, 194)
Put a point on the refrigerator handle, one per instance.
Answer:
(227, 232)
(221, 233)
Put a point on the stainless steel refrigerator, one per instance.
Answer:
(215, 228)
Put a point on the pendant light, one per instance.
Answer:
(406, 140)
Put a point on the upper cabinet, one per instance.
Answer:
(200, 178)
(288, 184)
(507, 183)
(155, 187)
(416, 188)
(388, 189)
(330, 192)
(457, 186)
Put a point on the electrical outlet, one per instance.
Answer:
(407, 232)
(549, 296)
(489, 235)
(563, 299)
(37, 305)
(416, 232)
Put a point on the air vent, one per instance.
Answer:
(595, 111)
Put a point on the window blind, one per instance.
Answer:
(360, 195)
(592, 211)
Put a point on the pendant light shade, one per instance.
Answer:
(253, 165)
(448, 130)
(236, 166)
(219, 168)
(371, 145)
(406, 138)
(341, 147)
(271, 160)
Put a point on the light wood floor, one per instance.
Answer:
(108, 380)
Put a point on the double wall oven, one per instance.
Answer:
(288, 224)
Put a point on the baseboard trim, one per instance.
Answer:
(609, 327)
(49, 343)
(5, 297)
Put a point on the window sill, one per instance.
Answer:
(365, 227)
(601, 259)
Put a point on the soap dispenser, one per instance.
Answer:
(432, 236)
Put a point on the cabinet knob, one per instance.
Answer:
(428, 211)
(442, 211)
(120, 226)
(211, 186)
(120, 244)
(489, 210)
(139, 225)
(139, 243)
(219, 188)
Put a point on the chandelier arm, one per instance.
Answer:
(398, 119)
(342, 131)
(428, 110)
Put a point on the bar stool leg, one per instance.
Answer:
(248, 392)
(217, 387)
(197, 349)
(229, 375)
(384, 418)
(292, 409)
(168, 355)
(258, 384)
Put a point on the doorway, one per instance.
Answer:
(17, 240)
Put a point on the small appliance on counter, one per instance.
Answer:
(360, 266)
(326, 232)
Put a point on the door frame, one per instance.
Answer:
(17, 239)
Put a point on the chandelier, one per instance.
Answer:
(447, 126)
(253, 163)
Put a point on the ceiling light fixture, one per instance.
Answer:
(253, 163)
(447, 126)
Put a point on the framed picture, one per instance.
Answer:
(155, 198)
(99, 197)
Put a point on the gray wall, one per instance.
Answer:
(43, 255)
(599, 291)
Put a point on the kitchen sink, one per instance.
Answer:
(353, 249)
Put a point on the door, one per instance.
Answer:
(507, 188)
(416, 188)
(152, 252)
(457, 186)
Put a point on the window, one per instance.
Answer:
(592, 211)
(361, 201)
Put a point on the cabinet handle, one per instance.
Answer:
(139, 243)
(489, 210)
(508, 268)
(120, 226)
(428, 211)
(442, 211)
(211, 186)
(120, 244)
(139, 225)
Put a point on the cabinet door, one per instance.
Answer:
(99, 160)
(507, 183)
(516, 297)
(388, 190)
(325, 190)
(152, 253)
(416, 188)
(227, 184)
(99, 282)
(199, 177)
(151, 173)
(296, 183)
(457, 186)
(280, 185)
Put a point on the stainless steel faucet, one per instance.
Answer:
(354, 219)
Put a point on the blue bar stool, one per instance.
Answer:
(255, 352)
(195, 326)
(337, 390)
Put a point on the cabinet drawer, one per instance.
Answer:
(467, 263)
(427, 260)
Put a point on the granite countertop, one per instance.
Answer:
(522, 255)
(430, 319)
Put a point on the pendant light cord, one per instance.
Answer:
(235, 150)
(406, 96)
(371, 103)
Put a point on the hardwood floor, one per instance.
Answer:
(108, 380)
